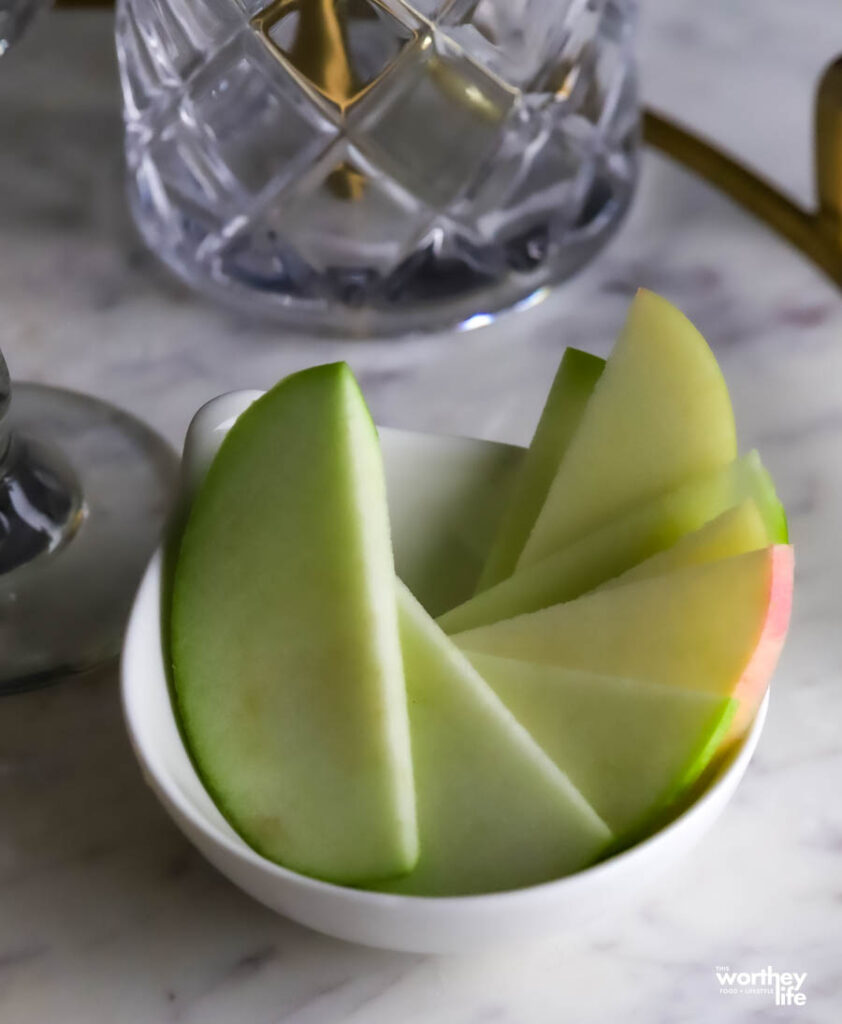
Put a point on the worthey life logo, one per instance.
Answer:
(785, 986)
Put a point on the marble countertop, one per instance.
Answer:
(106, 913)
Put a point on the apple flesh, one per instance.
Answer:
(716, 628)
(632, 748)
(659, 415)
(287, 667)
(494, 811)
(618, 546)
(735, 532)
(571, 389)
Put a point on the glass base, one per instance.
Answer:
(64, 612)
(439, 293)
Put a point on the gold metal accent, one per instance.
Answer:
(347, 182)
(320, 54)
(829, 151)
(816, 232)
(319, 50)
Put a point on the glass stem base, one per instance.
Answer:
(92, 525)
(41, 503)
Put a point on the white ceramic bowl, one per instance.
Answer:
(444, 494)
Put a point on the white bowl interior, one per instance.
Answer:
(445, 495)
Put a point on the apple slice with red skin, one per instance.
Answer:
(717, 628)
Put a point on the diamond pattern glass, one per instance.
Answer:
(517, 40)
(419, 160)
(257, 125)
(345, 214)
(304, 32)
(437, 123)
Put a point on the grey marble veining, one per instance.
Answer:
(106, 914)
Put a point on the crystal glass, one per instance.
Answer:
(378, 165)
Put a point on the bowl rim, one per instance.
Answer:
(160, 779)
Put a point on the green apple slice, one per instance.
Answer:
(735, 532)
(716, 628)
(573, 385)
(623, 543)
(631, 748)
(494, 812)
(287, 667)
(659, 415)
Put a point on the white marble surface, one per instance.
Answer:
(106, 914)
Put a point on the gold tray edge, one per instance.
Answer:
(816, 232)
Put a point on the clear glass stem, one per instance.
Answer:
(41, 504)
